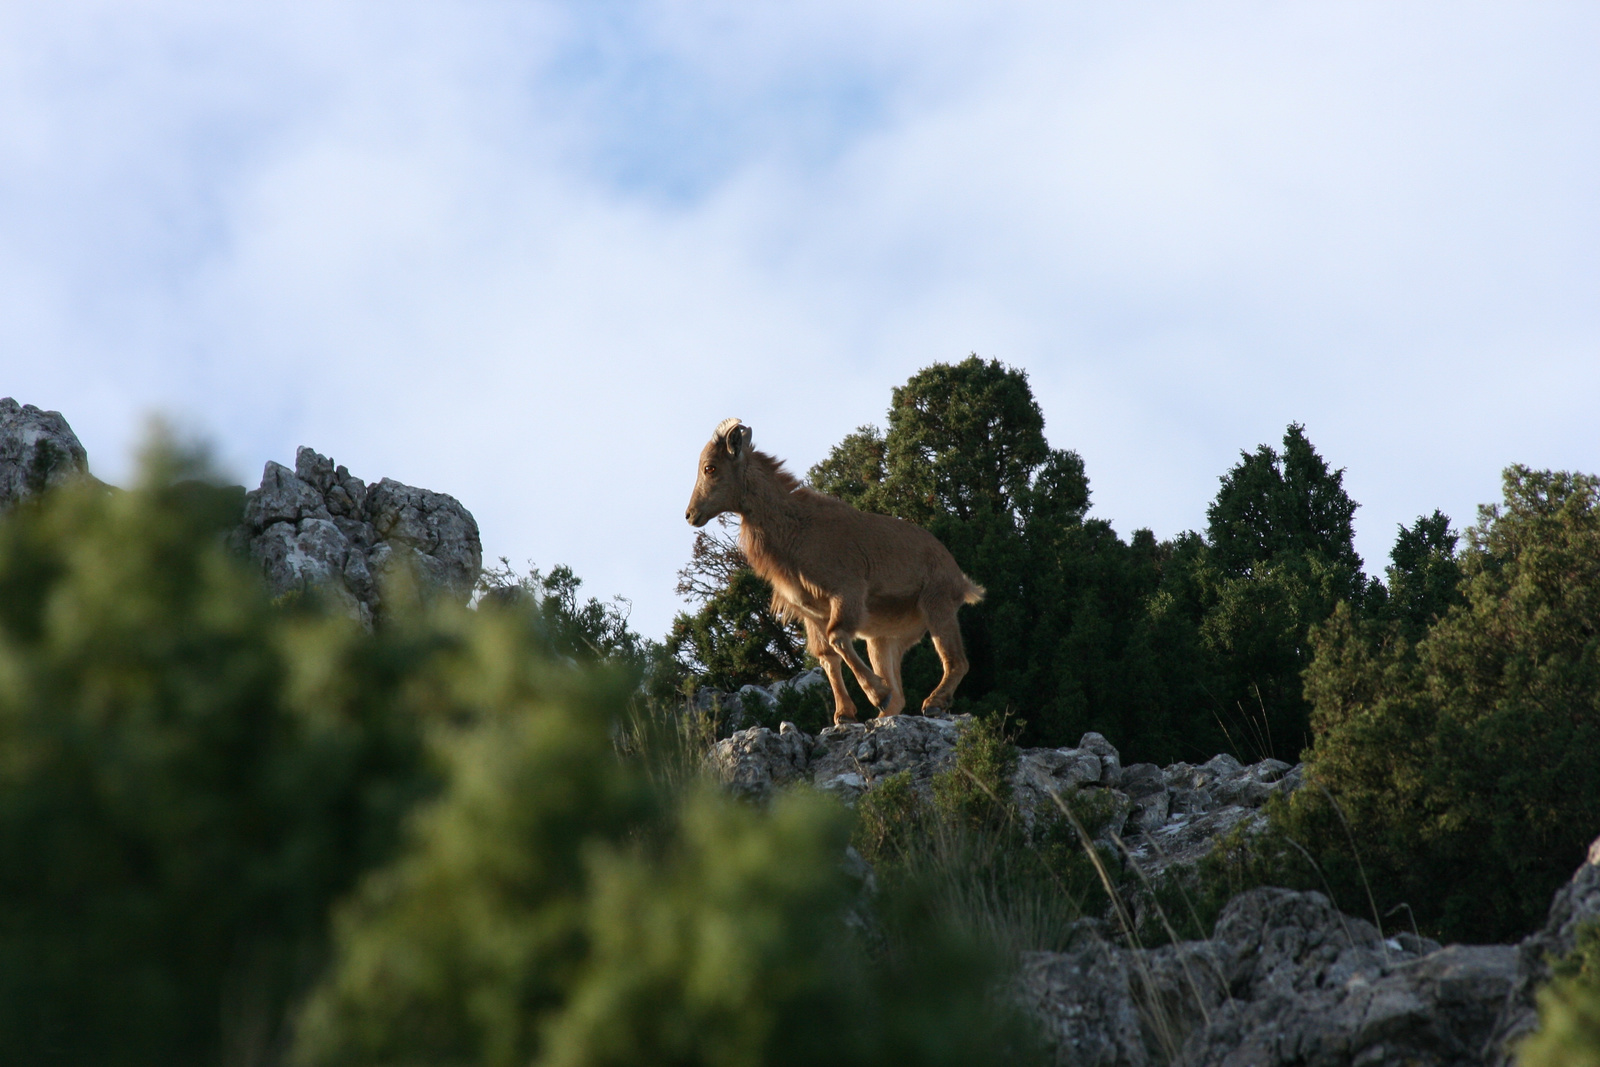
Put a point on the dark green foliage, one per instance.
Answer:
(1279, 555)
(975, 791)
(810, 709)
(854, 469)
(1273, 505)
(965, 441)
(190, 777)
(733, 639)
(1424, 576)
(1464, 765)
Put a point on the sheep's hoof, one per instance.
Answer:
(842, 717)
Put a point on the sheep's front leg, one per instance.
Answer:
(844, 709)
(841, 636)
(884, 654)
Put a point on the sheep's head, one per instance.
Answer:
(719, 484)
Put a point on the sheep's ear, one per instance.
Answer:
(737, 439)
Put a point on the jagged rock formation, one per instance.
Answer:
(37, 450)
(314, 526)
(320, 526)
(1286, 980)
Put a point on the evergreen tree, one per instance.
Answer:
(1280, 556)
(1424, 576)
(1465, 765)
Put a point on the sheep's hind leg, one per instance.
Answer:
(947, 642)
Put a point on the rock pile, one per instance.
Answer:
(37, 450)
(319, 525)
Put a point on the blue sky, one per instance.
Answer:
(531, 253)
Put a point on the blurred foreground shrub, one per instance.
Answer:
(188, 777)
(553, 908)
(191, 778)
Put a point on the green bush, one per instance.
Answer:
(550, 909)
(962, 849)
(1459, 775)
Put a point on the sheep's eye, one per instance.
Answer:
(711, 468)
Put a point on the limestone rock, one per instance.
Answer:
(752, 762)
(318, 526)
(37, 450)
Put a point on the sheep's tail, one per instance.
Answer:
(974, 593)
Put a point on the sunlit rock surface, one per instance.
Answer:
(319, 526)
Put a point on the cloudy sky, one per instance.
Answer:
(530, 253)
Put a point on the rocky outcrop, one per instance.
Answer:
(319, 526)
(316, 526)
(1164, 816)
(37, 450)
(1287, 980)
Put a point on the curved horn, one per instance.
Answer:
(724, 426)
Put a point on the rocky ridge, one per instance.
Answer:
(316, 526)
(1285, 980)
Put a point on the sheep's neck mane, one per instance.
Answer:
(772, 517)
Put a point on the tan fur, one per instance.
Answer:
(842, 572)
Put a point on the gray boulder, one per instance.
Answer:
(37, 450)
(753, 762)
(318, 526)
(843, 760)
